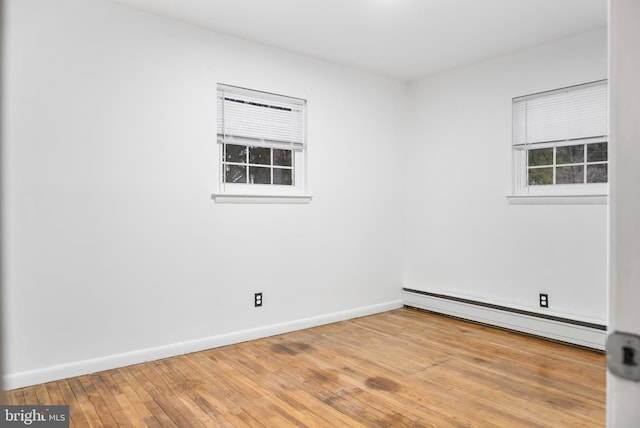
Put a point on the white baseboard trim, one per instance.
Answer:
(79, 368)
(551, 327)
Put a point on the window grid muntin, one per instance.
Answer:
(554, 165)
(247, 165)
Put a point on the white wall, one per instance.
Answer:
(462, 236)
(623, 395)
(113, 243)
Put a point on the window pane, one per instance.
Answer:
(597, 152)
(540, 157)
(282, 157)
(235, 153)
(283, 176)
(260, 155)
(597, 173)
(259, 175)
(235, 174)
(570, 154)
(570, 174)
(539, 176)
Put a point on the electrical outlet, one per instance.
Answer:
(544, 300)
(257, 300)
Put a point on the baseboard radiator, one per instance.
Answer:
(589, 335)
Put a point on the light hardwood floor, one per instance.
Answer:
(395, 369)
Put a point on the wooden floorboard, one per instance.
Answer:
(403, 368)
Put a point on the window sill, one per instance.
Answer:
(601, 199)
(226, 198)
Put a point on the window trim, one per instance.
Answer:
(297, 193)
(522, 192)
(590, 199)
(228, 198)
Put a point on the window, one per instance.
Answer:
(567, 164)
(560, 142)
(261, 146)
(257, 165)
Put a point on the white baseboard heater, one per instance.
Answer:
(589, 335)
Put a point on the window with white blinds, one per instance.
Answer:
(261, 138)
(259, 119)
(560, 140)
(562, 115)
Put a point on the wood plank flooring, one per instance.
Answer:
(403, 368)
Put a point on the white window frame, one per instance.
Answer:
(563, 117)
(259, 130)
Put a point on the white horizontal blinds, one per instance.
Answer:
(259, 119)
(574, 113)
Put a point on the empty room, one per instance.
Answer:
(367, 213)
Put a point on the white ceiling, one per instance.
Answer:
(403, 39)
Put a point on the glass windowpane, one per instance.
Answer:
(570, 174)
(259, 175)
(283, 176)
(260, 155)
(235, 153)
(597, 152)
(570, 154)
(282, 157)
(597, 173)
(235, 174)
(540, 176)
(540, 157)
